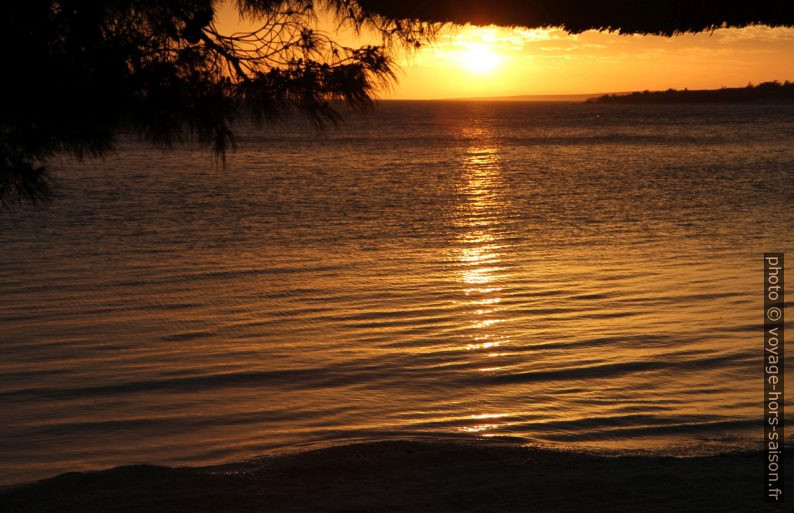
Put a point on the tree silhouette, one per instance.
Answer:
(661, 17)
(80, 73)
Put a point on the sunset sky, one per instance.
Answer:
(470, 61)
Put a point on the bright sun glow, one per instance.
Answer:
(480, 58)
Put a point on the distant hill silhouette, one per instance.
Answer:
(764, 92)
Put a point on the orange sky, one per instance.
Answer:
(496, 61)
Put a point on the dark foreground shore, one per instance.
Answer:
(412, 477)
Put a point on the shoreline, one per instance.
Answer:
(412, 476)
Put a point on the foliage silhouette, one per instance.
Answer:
(82, 72)
(661, 17)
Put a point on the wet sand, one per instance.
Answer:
(403, 476)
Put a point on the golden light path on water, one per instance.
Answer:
(480, 256)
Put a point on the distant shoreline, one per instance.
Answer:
(412, 477)
(767, 92)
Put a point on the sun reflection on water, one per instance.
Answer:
(480, 257)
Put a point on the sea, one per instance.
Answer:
(585, 277)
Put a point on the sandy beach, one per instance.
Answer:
(402, 476)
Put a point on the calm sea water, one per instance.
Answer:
(569, 275)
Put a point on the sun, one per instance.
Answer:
(480, 58)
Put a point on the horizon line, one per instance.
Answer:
(551, 97)
(565, 96)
